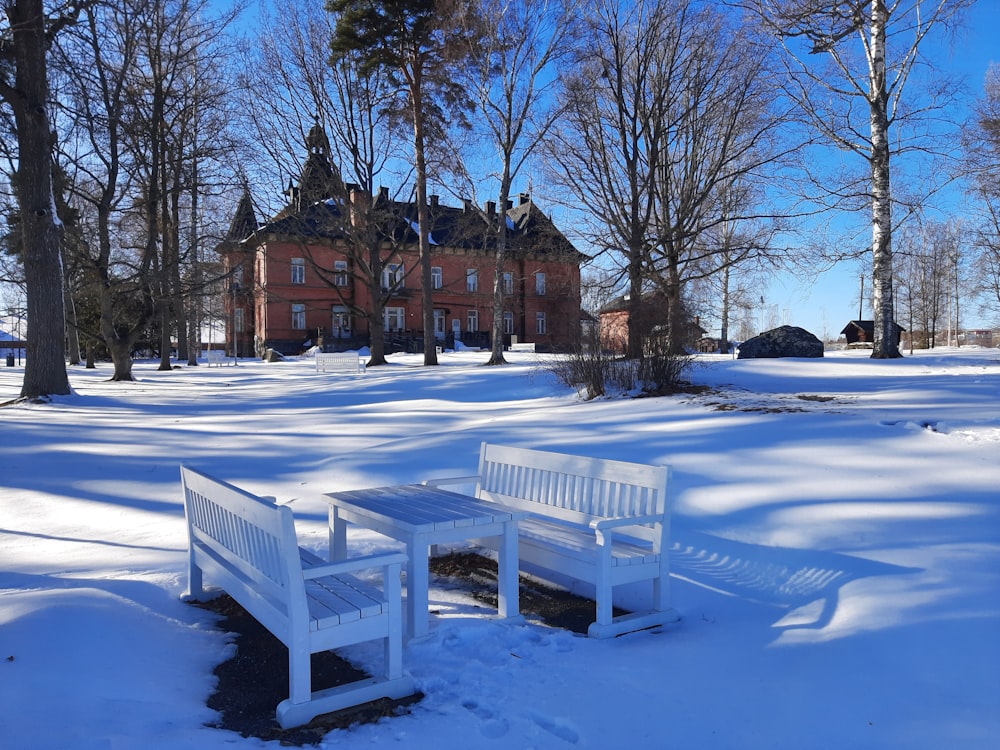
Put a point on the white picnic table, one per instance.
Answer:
(421, 516)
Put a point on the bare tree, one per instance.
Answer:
(672, 117)
(872, 49)
(290, 65)
(604, 150)
(512, 77)
(28, 35)
(982, 143)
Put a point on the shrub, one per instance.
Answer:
(596, 372)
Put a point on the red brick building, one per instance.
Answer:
(300, 279)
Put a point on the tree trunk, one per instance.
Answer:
(423, 217)
(496, 345)
(72, 327)
(724, 331)
(41, 232)
(885, 346)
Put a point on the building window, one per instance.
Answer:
(340, 273)
(472, 280)
(437, 278)
(236, 279)
(472, 320)
(341, 322)
(508, 282)
(539, 283)
(394, 318)
(298, 271)
(439, 324)
(299, 317)
(392, 276)
(540, 323)
(508, 322)
(239, 320)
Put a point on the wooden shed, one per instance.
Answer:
(861, 332)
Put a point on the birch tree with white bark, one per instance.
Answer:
(849, 63)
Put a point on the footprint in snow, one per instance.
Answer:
(557, 727)
(491, 726)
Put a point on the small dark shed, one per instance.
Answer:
(863, 332)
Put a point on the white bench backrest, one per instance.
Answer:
(252, 536)
(574, 488)
(338, 360)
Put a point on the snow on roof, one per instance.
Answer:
(416, 228)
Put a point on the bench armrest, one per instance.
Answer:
(450, 480)
(611, 523)
(352, 564)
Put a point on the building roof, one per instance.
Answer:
(244, 221)
(868, 326)
(529, 231)
(320, 208)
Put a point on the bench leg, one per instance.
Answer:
(507, 569)
(661, 594)
(299, 672)
(417, 583)
(195, 589)
(603, 587)
(394, 640)
(338, 535)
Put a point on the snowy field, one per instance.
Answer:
(836, 552)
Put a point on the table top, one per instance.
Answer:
(419, 507)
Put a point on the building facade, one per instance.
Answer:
(311, 276)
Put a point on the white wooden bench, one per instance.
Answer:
(339, 362)
(595, 520)
(216, 357)
(247, 545)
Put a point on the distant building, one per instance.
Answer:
(614, 323)
(977, 337)
(861, 333)
(293, 279)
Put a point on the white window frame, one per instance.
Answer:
(340, 273)
(298, 270)
(239, 320)
(393, 275)
(340, 321)
(439, 322)
(540, 284)
(541, 326)
(472, 280)
(437, 277)
(508, 322)
(298, 317)
(392, 315)
(472, 320)
(508, 282)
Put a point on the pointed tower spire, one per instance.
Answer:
(244, 220)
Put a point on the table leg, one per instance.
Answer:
(417, 585)
(338, 535)
(507, 564)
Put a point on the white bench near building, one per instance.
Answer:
(247, 545)
(216, 357)
(600, 521)
(339, 362)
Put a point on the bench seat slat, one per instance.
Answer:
(340, 599)
(583, 543)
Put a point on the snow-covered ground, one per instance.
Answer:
(836, 552)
